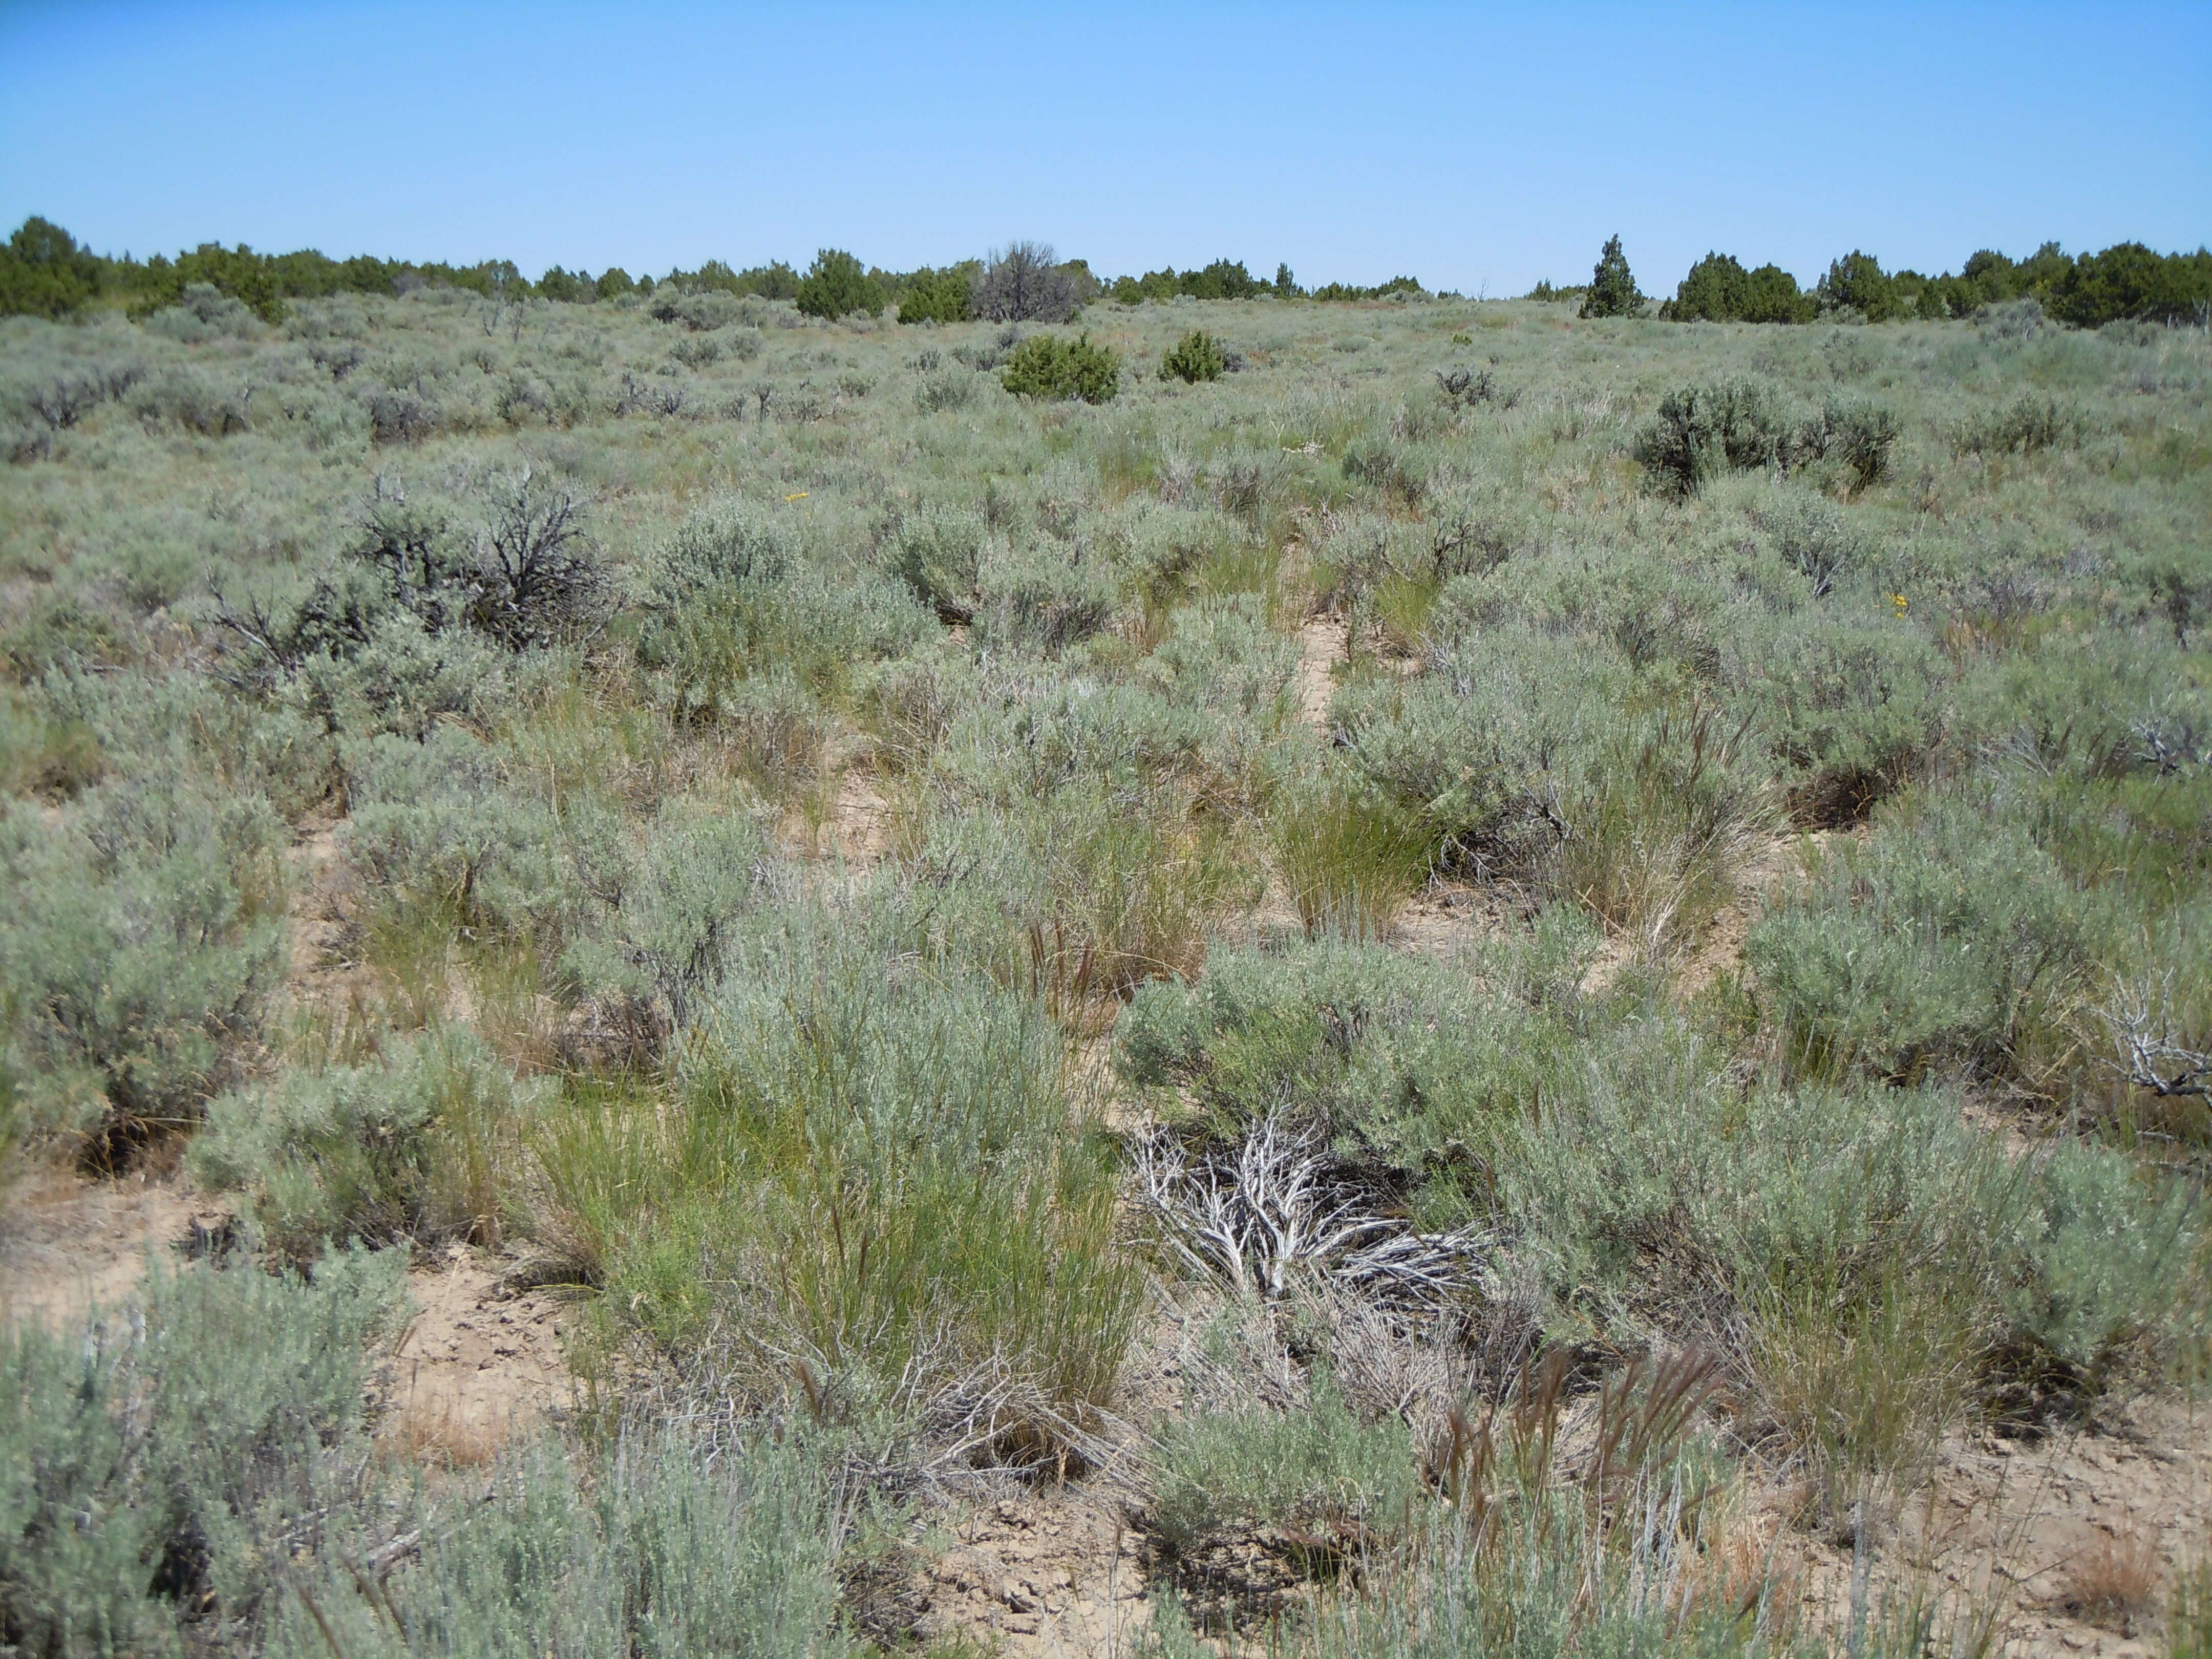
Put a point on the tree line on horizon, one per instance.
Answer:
(2127, 281)
(44, 272)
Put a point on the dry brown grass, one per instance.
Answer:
(2114, 1584)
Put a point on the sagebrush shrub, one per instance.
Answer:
(523, 572)
(407, 1147)
(1813, 538)
(1702, 431)
(1858, 436)
(2023, 427)
(1034, 595)
(1950, 938)
(1852, 703)
(678, 914)
(435, 825)
(160, 1474)
(141, 942)
(937, 551)
(1317, 1470)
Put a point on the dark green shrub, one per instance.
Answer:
(1045, 366)
(1720, 290)
(1856, 283)
(2131, 281)
(1343, 291)
(1701, 431)
(44, 273)
(836, 285)
(937, 296)
(1612, 290)
(1197, 356)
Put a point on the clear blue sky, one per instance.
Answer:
(1473, 146)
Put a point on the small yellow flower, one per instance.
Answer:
(800, 496)
(1898, 600)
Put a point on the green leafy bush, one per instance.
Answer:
(1047, 367)
(1197, 356)
(2129, 280)
(1856, 283)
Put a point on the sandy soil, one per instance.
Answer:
(1323, 642)
(69, 1245)
(478, 1362)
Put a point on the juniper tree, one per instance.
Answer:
(1613, 289)
(838, 285)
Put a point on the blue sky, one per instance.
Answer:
(1477, 148)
